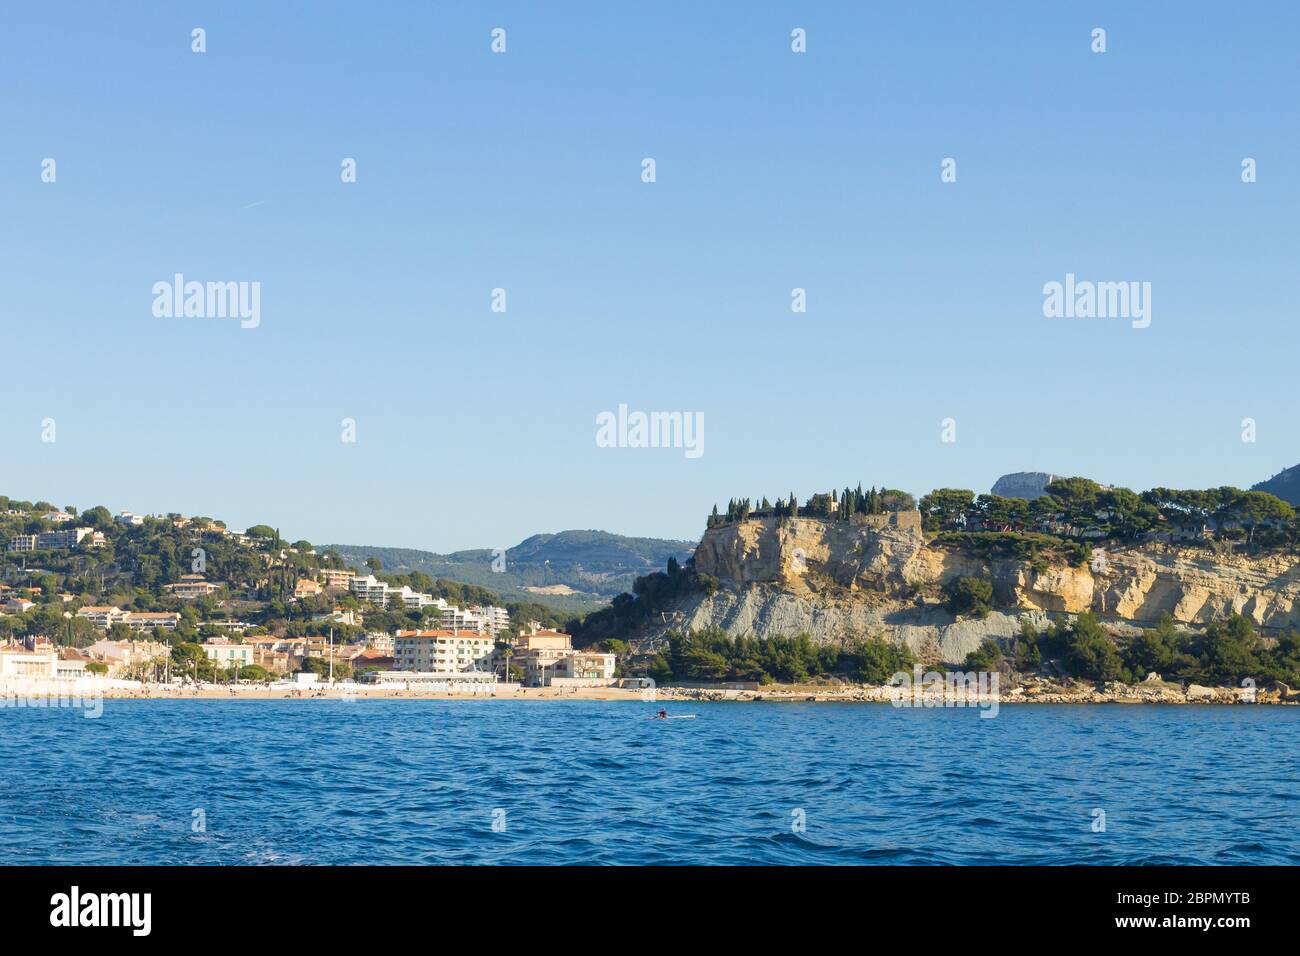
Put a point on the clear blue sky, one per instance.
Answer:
(522, 171)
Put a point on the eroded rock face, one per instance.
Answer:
(871, 551)
(839, 580)
(1023, 484)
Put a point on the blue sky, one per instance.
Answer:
(522, 171)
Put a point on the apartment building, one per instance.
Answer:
(370, 588)
(148, 620)
(414, 600)
(192, 586)
(122, 655)
(50, 540)
(102, 616)
(335, 579)
(440, 651)
(460, 619)
(547, 658)
(495, 619)
(224, 654)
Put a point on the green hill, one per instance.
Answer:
(576, 570)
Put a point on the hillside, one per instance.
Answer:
(574, 570)
(1285, 484)
(1089, 572)
(191, 577)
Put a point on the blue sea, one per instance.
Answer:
(516, 782)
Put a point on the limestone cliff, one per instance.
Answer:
(878, 574)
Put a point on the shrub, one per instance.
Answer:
(972, 596)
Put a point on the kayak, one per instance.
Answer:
(674, 717)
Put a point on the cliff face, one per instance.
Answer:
(872, 551)
(877, 575)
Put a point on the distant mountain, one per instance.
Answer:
(1023, 484)
(576, 570)
(1285, 484)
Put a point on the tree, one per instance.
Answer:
(874, 661)
(1156, 650)
(1089, 651)
(986, 658)
(971, 596)
(1229, 650)
(945, 507)
(375, 564)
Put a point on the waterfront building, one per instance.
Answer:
(442, 651)
(223, 653)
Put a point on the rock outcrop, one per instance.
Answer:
(877, 574)
(1023, 484)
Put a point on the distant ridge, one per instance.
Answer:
(577, 570)
(1285, 484)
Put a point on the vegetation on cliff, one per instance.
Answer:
(1078, 508)
(712, 655)
(834, 504)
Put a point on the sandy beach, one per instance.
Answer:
(1033, 694)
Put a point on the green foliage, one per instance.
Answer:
(986, 658)
(945, 507)
(1027, 546)
(1089, 651)
(1024, 650)
(711, 655)
(972, 597)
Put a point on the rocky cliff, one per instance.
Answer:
(879, 575)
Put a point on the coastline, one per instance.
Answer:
(1071, 694)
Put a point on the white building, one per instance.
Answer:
(30, 664)
(148, 620)
(225, 654)
(102, 616)
(442, 651)
(191, 586)
(370, 588)
(496, 618)
(459, 619)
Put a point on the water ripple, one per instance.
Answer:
(326, 782)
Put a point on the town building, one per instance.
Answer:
(15, 663)
(442, 651)
(547, 658)
(148, 620)
(305, 588)
(495, 619)
(192, 586)
(370, 588)
(123, 655)
(102, 616)
(335, 579)
(224, 653)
